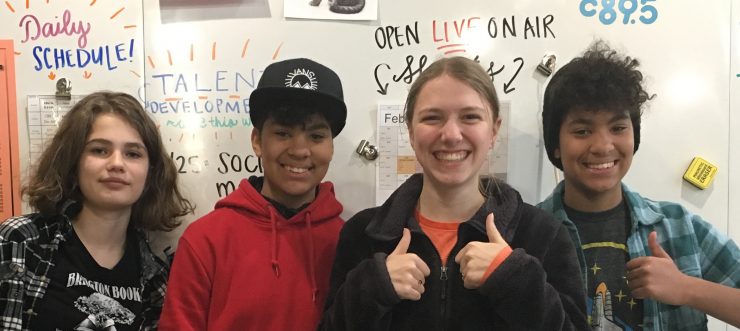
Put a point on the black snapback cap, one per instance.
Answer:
(300, 82)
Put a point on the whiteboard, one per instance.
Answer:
(194, 64)
(99, 47)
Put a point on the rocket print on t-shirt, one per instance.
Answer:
(602, 317)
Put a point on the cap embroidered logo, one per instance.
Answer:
(301, 78)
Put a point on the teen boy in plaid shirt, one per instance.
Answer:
(646, 264)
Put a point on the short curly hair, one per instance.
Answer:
(600, 79)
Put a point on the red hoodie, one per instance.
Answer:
(245, 267)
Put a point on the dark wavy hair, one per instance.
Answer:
(54, 178)
(460, 68)
(601, 79)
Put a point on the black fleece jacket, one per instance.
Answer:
(538, 287)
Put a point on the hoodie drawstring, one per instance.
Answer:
(311, 267)
(311, 253)
(273, 243)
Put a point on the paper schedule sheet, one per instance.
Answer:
(44, 114)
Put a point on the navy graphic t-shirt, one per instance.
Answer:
(82, 295)
(603, 240)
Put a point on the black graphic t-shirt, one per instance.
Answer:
(82, 295)
(603, 240)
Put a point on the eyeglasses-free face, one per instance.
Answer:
(295, 159)
(596, 149)
(114, 165)
(452, 131)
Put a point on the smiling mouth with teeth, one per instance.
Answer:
(600, 165)
(296, 170)
(451, 156)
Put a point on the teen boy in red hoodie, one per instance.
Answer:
(262, 259)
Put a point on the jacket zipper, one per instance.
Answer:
(443, 277)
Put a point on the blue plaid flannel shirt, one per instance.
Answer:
(27, 246)
(696, 247)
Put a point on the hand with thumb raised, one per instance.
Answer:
(656, 277)
(476, 256)
(408, 271)
(655, 248)
(493, 235)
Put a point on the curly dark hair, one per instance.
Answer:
(601, 79)
(54, 179)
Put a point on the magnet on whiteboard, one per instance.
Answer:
(367, 151)
(64, 89)
(700, 173)
(547, 65)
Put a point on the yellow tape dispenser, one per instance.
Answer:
(700, 173)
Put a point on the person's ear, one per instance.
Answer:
(495, 127)
(410, 130)
(256, 142)
(557, 153)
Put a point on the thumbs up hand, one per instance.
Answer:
(407, 270)
(656, 277)
(476, 256)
